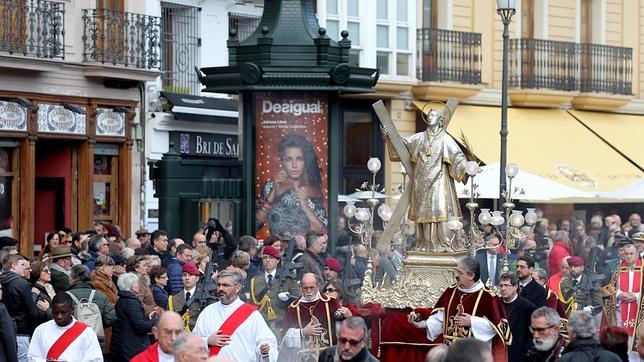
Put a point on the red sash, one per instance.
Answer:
(629, 310)
(65, 340)
(233, 322)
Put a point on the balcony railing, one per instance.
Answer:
(121, 38)
(32, 28)
(606, 69)
(446, 55)
(565, 66)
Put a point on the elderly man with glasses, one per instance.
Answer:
(352, 341)
(548, 343)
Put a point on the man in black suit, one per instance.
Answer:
(528, 288)
(490, 261)
(518, 310)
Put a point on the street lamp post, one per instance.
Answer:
(505, 8)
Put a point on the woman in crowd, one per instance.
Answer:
(138, 264)
(53, 240)
(201, 256)
(102, 277)
(41, 290)
(274, 241)
(158, 282)
(132, 325)
(293, 201)
(334, 290)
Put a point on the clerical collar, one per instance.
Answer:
(513, 299)
(164, 357)
(474, 288)
(303, 300)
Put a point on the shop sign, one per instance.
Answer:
(56, 119)
(110, 123)
(13, 117)
(206, 144)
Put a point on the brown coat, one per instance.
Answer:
(145, 295)
(105, 284)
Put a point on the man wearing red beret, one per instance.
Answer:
(332, 269)
(271, 292)
(579, 293)
(186, 302)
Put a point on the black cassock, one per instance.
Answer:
(519, 316)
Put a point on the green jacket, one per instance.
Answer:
(581, 295)
(81, 290)
(59, 280)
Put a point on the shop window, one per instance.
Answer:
(105, 187)
(8, 190)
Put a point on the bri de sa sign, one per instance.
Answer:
(205, 144)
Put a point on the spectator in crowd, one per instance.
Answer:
(102, 278)
(202, 257)
(547, 343)
(60, 266)
(334, 290)
(17, 298)
(8, 347)
(153, 261)
(130, 246)
(560, 249)
(490, 261)
(437, 353)
(183, 255)
(139, 266)
(98, 245)
(158, 244)
(189, 347)
(352, 343)
(584, 346)
(311, 260)
(132, 325)
(615, 339)
(635, 222)
(173, 244)
(468, 349)
(539, 275)
(519, 311)
(248, 244)
(528, 288)
(274, 241)
(158, 282)
(169, 326)
(48, 339)
(52, 241)
(39, 279)
(143, 235)
(199, 238)
(332, 269)
(555, 279)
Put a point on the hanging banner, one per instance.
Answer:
(291, 163)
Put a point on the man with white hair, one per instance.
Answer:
(584, 345)
(189, 347)
(233, 328)
(547, 343)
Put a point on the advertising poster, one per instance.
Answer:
(291, 163)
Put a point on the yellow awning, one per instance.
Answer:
(625, 132)
(546, 142)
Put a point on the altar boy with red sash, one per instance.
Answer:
(64, 338)
(468, 309)
(233, 328)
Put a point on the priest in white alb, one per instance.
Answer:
(64, 338)
(233, 328)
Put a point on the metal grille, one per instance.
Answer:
(180, 47)
(116, 37)
(547, 64)
(243, 24)
(33, 28)
(447, 55)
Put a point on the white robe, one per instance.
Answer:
(245, 341)
(84, 348)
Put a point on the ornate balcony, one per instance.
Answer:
(449, 56)
(33, 28)
(606, 69)
(120, 38)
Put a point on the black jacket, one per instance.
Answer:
(129, 331)
(535, 293)
(519, 314)
(328, 355)
(17, 298)
(8, 347)
(587, 350)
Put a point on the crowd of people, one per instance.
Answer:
(567, 290)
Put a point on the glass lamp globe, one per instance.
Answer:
(516, 218)
(454, 223)
(497, 218)
(511, 169)
(349, 210)
(363, 214)
(485, 217)
(374, 165)
(531, 216)
(385, 212)
(506, 4)
(472, 168)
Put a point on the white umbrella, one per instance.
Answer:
(346, 198)
(535, 188)
(633, 192)
(364, 195)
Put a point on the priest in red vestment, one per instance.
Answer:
(310, 317)
(166, 331)
(468, 309)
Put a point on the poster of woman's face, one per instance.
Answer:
(291, 163)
